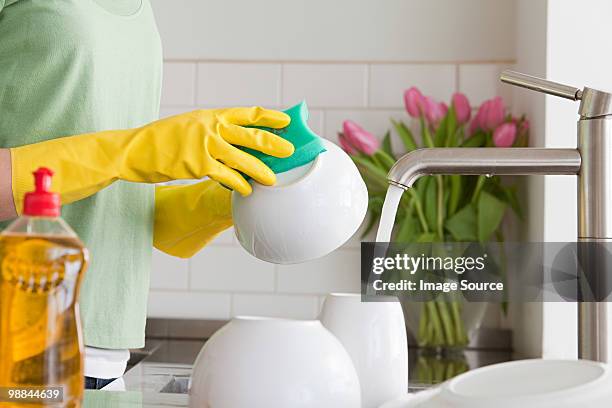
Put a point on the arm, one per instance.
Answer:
(191, 145)
(189, 217)
(7, 206)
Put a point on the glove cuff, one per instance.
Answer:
(21, 179)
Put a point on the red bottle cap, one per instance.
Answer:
(42, 202)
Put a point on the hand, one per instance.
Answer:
(187, 217)
(201, 143)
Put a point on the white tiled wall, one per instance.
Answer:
(223, 280)
(325, 85)
(224, 84)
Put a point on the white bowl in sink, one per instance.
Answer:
(312, 210)
(525, 383)
(274, 363)
(374, 335)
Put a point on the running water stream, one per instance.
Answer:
(389, 211)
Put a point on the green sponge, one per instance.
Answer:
(307, 144)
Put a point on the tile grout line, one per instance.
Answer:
(367, 84)
(457, 78)
(237, 245)
(276, 271)
(391, 109)
(196, 81)
(178, 106)
(323, 122)
(313, 298)
(232, 293)
(281, 84)
(189, 268)
(343, 62)
(312, 107)
(231, 311)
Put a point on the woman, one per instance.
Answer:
(85, 68)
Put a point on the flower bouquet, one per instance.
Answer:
(441, 208)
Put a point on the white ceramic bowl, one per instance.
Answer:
(311, 210)
(374, 334)
(411, 400)
(525, 384)
(274, 363)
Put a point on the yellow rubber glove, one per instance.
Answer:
(188, 217)
(187, 146)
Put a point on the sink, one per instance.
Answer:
(177, 385)
(162, 367)
(136, 357)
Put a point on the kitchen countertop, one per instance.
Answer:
(133, 399)
(161, 378)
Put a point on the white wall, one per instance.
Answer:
(348, 59)
(338, 30)
(565, 41)
(579, 57)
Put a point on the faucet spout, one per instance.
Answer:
(482, 161)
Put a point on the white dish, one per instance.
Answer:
(311, 210)
(274, 363)
(409, 400)
(525, 384)
(374, 334)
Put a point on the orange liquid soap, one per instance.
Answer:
(42, 263)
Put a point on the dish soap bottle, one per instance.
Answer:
(42, 262)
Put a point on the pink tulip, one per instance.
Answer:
(434, 111)
(359, 138)
(494, 114)
(444, 108)
(463, 111)
(505, 135)
(474, 125)
(346, 146)
(414, 101)
(489, 116)
(478, 121)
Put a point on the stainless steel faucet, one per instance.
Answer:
(591, 161)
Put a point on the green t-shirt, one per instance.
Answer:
(77, 66)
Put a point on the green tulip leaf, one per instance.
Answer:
(451, 126)
(372, 221)
(463, 225)
(386, 145)
(455, 193)
(478, 139)
(490, 214)
(426, 134)
(408, 229)
(375, 205)
(441, 135)
(371, 167)
(511, 197)
(427, 237)
(430, 205)
(384, 159)
(421, 185)
(405, 134)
